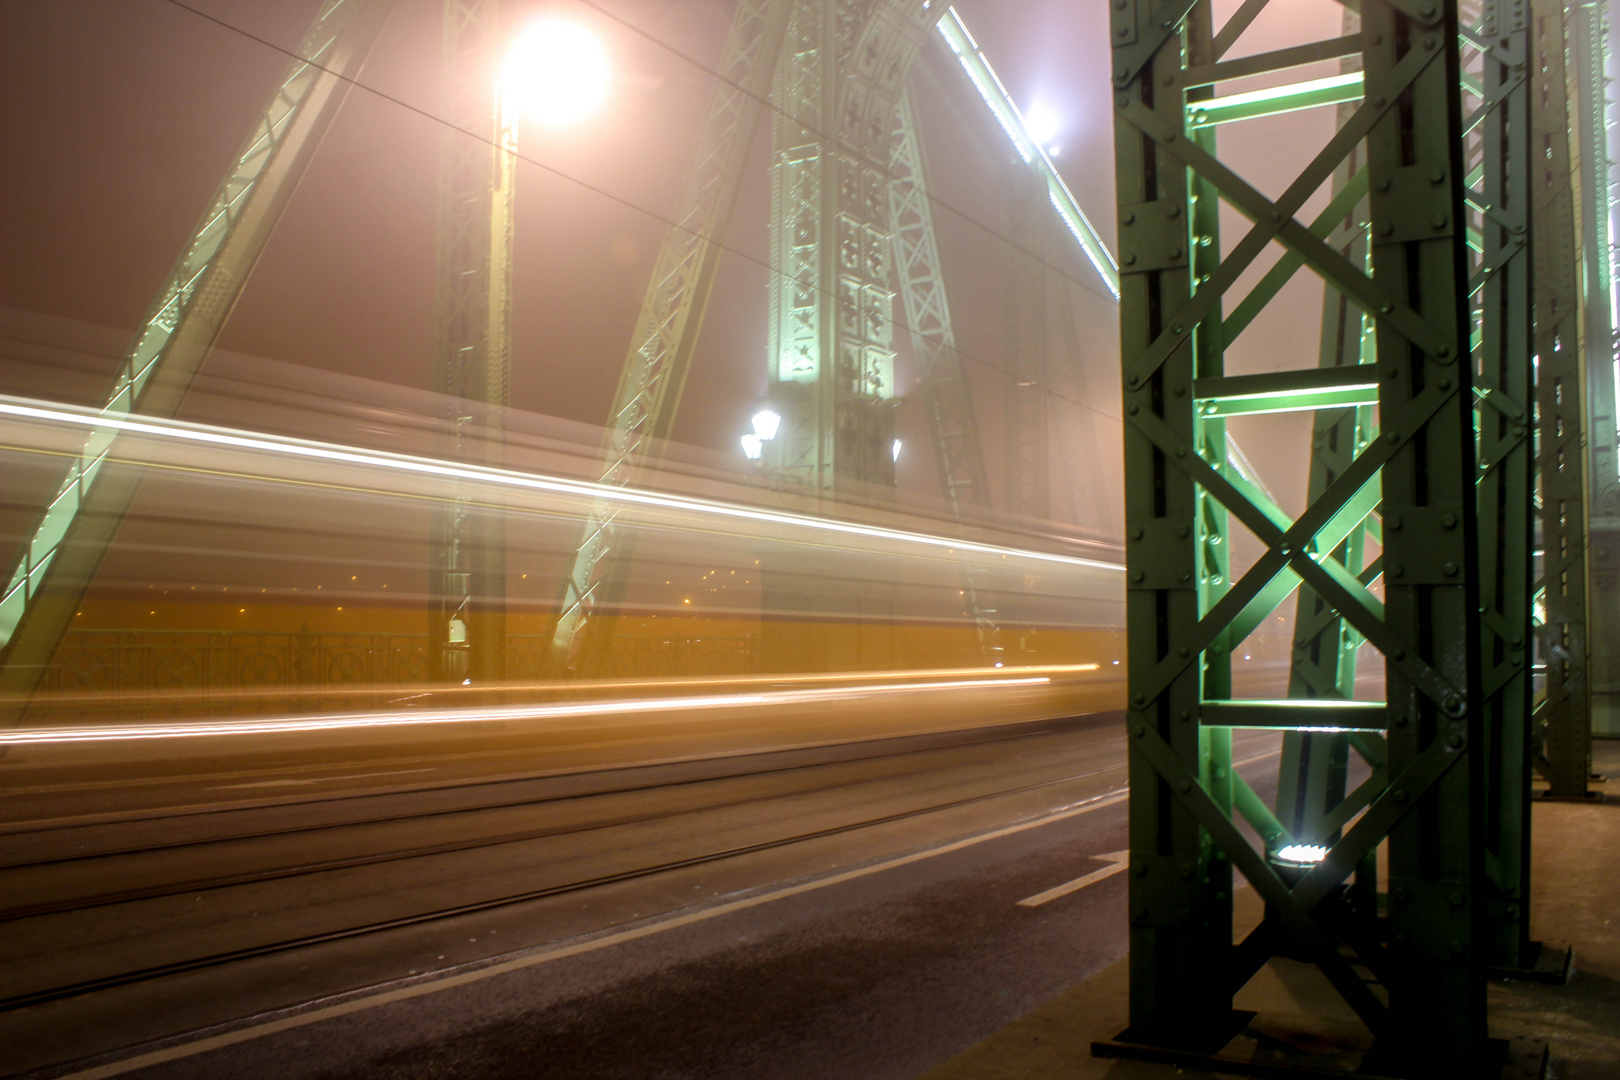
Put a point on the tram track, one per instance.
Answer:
(71, 946)
(422, 851)
(98, 935)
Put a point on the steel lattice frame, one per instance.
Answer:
(942, 381)
(81, 520)
(1184, 615)
(671, 317)
(472, 339)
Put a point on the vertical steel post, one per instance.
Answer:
(1500, 209)
(1564, 717)
(1180, 890)
(1588, 34)
(1427, 799)
(477, 158)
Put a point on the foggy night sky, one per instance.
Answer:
(125, 113)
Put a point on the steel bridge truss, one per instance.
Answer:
(73, 533)
(472, 339)
(1455, 677)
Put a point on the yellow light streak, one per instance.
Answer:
(182, 729)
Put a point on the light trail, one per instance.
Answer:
(307, 449)
(181, 729)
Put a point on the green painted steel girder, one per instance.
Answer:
(1426, 798)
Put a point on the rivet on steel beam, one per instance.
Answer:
(1173, 212)
(1185, 786)
(1136, 533)
(1134, 408)
(1137, 575)
(1128, 218)
(1450, 568)
(1177, 328)
(1182, 531)
(1449, 520)
(1184, 652)
(1170, 137)
(1392, 436)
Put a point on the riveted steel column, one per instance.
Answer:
(1426, 795)
(1436, 850)
(1564, 717)
(1180, 886)
(1500, 209)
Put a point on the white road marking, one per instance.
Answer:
(1120, 860)
(546, 954)
(433, 983)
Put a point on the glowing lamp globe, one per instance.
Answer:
(556, 74)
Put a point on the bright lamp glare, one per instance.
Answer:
(894, 451)
(766, 424)
(1042, 124)
(557, 73)
(752, 446)
(1302, 854)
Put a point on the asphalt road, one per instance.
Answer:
(850, 912)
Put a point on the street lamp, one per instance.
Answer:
(557, 73)
(766, 425)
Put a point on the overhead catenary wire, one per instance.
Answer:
(651, 214)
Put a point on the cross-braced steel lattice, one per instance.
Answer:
(1416, 979)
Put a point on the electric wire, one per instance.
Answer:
(595, 189)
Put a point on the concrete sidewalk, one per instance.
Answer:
(1577, 899)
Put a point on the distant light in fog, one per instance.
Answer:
(557, 73)
(1042, 124)
(894, 451)
(766, 424)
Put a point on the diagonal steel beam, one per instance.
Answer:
(67, 544)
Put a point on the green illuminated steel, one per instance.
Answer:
(1313, 769)
(1426, 798)
(67, 544)
(1501, 279)
(984, 79)
(830, 352)
(1229, 108)
(671, 318)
